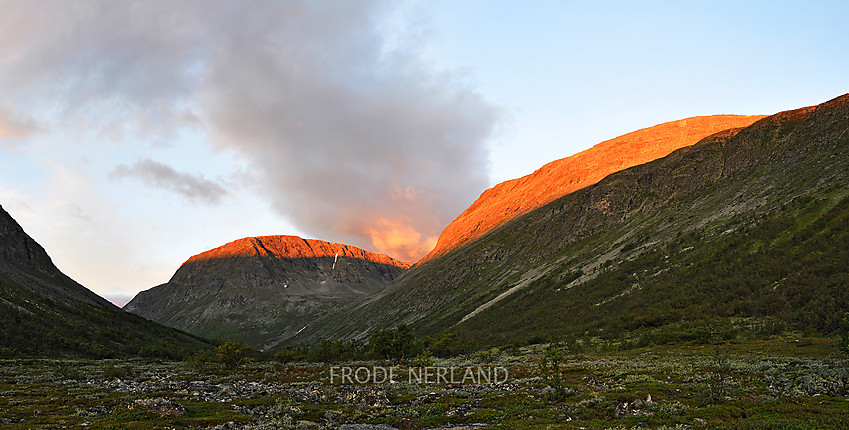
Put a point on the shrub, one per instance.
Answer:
(843, 342)
(112, 372)
(232, 354)
(424, 359)
(201, 359)
(286, 355)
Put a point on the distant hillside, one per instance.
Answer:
(747, 223)
(513, 198)
(44, 313)
(263, 290)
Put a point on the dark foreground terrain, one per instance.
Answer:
(786, 382)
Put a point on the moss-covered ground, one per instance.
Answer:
(778, 383)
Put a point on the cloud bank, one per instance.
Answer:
(351, 138)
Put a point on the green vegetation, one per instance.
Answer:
(553, 373)
(232, 354)
(36, 326)
(397, 346)
(765, 384)
(708, 289)
(843, 345)
(785, 270)
(738, 230)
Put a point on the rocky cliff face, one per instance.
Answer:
(513, 198)
(264, 289)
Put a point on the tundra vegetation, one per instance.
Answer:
(733, 378)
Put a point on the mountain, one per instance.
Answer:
(264, 289)
(513, 198)
(44, 313)
(751, 223)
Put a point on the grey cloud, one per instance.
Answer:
(138, 61)
(369, 146)
(350, 135)
(159, 175)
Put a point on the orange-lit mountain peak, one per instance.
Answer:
(283, 247)
(513, 198)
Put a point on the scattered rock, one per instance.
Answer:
(598, 385)
(366, 427)
(425, 399)
(625, 409)
(621, 410)
(232, 425)
(459, 426)
(161, 406)
(461, 410)
(368, 396)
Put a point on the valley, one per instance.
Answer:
(706, 288)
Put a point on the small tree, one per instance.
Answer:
(394, 345)
(403, 342)
(720, 370)
(549, 366)
(424, 359)
(232, 353)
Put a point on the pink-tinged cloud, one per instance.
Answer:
(353, 139)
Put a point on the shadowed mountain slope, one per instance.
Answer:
(513, 198)
(264, 289)
(45, 313)
(748, 222)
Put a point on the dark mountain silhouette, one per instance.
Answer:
(45, 313)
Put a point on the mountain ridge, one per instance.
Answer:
(264, 289)
(729, 181)
(514, 197)
(287, 246)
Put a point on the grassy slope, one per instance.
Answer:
(791, 266)
(36, 326)
(627, 236)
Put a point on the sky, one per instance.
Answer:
(134, 135)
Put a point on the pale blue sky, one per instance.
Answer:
(133, 138)
(571, 74)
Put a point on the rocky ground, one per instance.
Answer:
(783, 383)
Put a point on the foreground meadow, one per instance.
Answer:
(757, 384)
